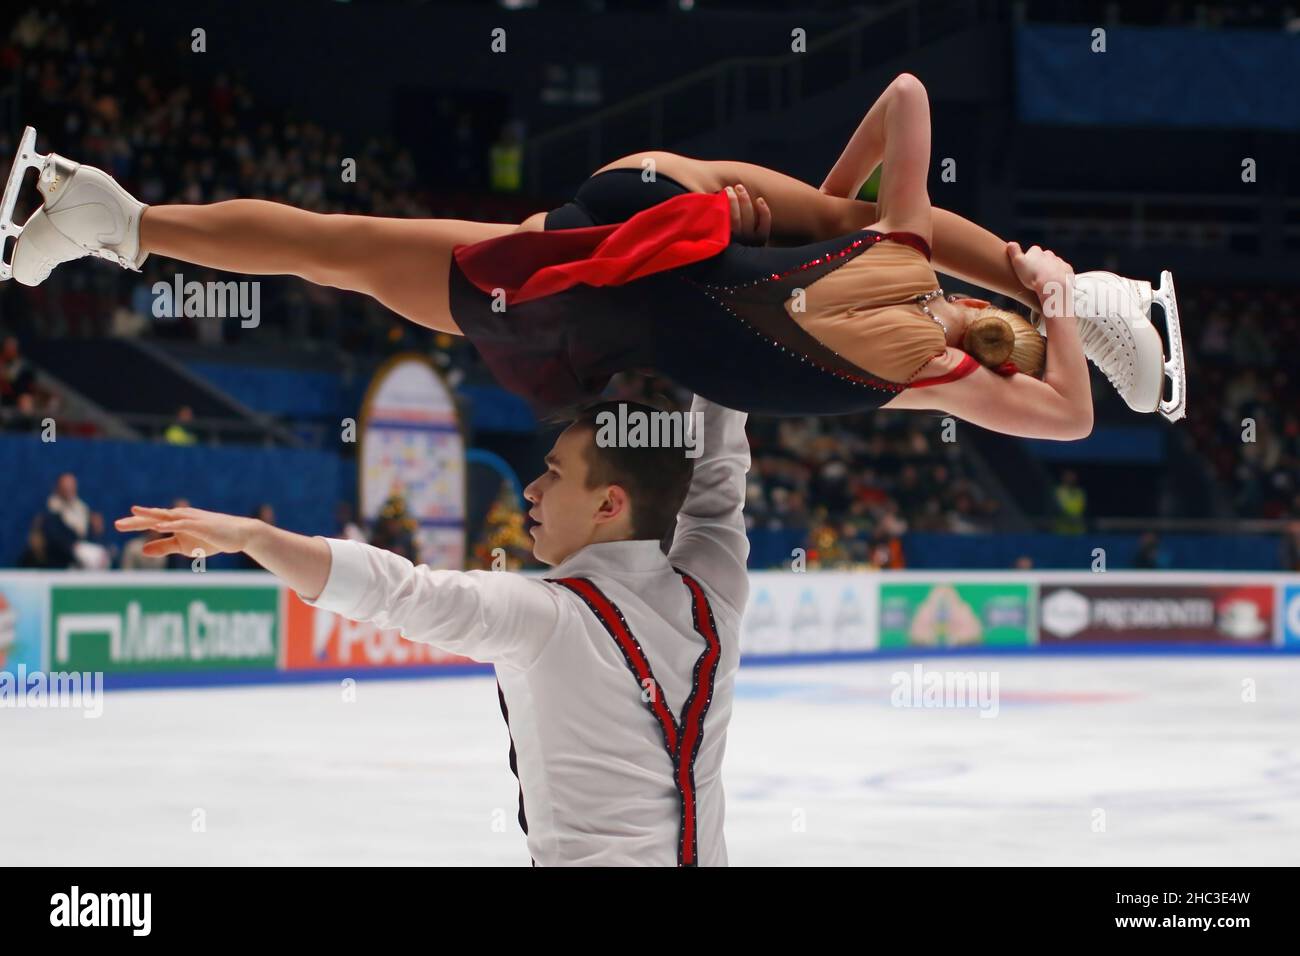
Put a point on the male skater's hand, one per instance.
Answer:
(189, 530)
(751, 219)
(300, 561)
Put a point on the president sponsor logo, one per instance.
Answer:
(1219, 614)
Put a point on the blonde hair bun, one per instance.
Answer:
(996, 336)
(989, 339)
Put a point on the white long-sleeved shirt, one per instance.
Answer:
(595, 705)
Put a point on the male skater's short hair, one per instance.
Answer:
(656, 479)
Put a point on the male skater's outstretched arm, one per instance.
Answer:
(490, 615)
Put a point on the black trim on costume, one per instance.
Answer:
(514, 761)
(604, 199)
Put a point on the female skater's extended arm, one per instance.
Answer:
(961, 248)
(866, 147)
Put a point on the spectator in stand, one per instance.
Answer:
(963, 518)
(17, 378)
(22, 400)
(178, 432)
(1150, 556)
(348, 529)
(95, 536)
(908, 491)
(68, 529)
(824, 547)
(506, 159)
(1290, 547)
(1071, 504)
(36, 554)
(886, 550)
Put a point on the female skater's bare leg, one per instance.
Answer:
(404, 263)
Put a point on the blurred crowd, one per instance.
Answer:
(173, 137)
(858, 484)
(69, 534)
(23, 401)
(1244, 410)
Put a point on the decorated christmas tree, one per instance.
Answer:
(503, 529)
(395, 527)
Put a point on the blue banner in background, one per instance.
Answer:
(1158, 76)
(1133, 444)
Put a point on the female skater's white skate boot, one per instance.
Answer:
(86, 213)
(1114, 321)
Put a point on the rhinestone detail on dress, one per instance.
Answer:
(864, 381)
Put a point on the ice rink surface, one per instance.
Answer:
(1123, 760)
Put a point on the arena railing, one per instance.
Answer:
(1225, 526)
(731, 89)
(1136, 219)
(209, 431)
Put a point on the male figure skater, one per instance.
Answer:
(615, 673)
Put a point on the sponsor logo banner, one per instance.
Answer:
(954, 615)
(1157, 613)
(815, 613)
(22, 623)
(316, 639)
(1291, 615)
(137, 628)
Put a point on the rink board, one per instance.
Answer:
(175, 629)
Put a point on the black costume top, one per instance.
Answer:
(712, 318)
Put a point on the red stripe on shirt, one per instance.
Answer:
(697, 706)
(612, 618)
(681, 741)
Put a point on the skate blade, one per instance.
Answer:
(26, 158)
(1175, 368)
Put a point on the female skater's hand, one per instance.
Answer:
(751, 219)
(1045, 274)
(189, 530)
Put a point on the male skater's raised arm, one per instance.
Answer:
(710, 540)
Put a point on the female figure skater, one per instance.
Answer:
(653, 266)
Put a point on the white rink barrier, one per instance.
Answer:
(792, 613)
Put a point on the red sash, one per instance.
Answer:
(529, 265)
